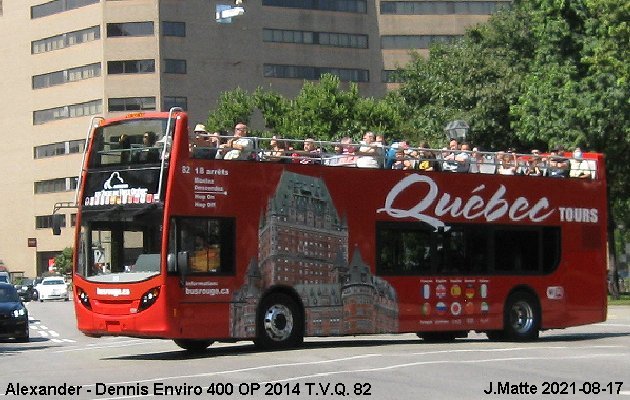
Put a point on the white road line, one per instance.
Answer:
(108, 346)
(414, 364)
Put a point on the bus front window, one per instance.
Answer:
(125, 142)
(119, 252)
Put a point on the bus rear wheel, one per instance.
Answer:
(279, 323)
(522, 317)
(193, 345)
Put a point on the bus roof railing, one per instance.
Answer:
(335, 153)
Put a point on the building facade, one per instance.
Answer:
(66, 61)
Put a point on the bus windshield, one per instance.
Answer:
(119, 251)
(137, 141)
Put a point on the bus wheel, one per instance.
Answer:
(279, 323)
(522, 317)
(193, 346)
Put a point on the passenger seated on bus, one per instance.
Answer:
(426, 158)
(149, 153)
(370, 152)
(239, 147)
(343, 154)
(580, 168)
(348, 157)
(476, 159)
(449, 164)
(310, 155)
(558, 166)
(124, 144)
(507, 163)
(205, 145)
(276, 150)
(463, 158)
(533, 167)
(402, 160)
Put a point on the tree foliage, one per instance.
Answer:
(322, 109)
(63, 261)
(233, 107)
(544, 73)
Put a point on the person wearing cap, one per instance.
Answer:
(205, 145)
(198, 136)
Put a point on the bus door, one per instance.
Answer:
(202, 257)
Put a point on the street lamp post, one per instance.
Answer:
(457, 130)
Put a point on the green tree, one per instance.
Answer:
(232, 107)
(63, 261)
(323, 110)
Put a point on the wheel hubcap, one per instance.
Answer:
(278, 322)
(522, 317)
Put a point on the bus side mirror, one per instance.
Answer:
(57, 219)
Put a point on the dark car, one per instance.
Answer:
(13, 315)
(26, 290)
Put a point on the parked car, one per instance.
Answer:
(26, 289)
(53, 288)
(4, 277)
(13, 315)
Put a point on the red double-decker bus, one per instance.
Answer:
(202, 249)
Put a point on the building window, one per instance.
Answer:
(46, 221)
(58, 6)
(175, 101)
(66, 40)
(68, 75)
(391, 76)
(57, 149)
(75, 110)
(56, 185)
(131, 103)
(415, 41)
(314, 73)
(130, 29)
(170, 28)
(321, 38)
(172, 66)
(131, 67)
(442, 7)
(353, 6)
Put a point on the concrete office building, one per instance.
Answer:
(64, 61)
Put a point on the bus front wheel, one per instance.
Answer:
(279, 323)
(522, 317)
(193, 346)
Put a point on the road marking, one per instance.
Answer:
(512, 349)
(414, 364)
(107, 346)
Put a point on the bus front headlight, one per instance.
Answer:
(149, 298)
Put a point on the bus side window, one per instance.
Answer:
(209, 243)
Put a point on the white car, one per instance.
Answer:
(53, 288)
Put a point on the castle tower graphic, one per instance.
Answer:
(303, 244)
